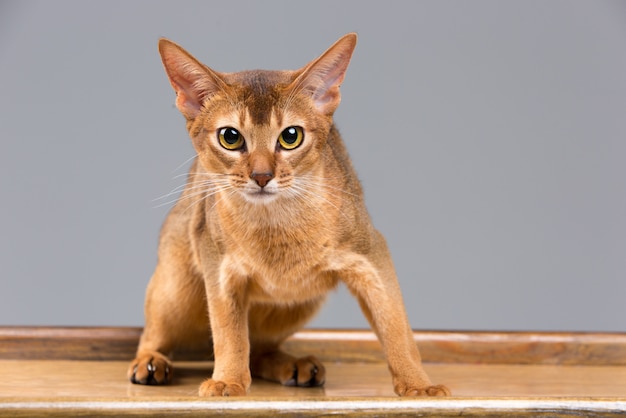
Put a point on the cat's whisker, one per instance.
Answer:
(199, 190)
(175, 191)
(208, 179)
(180, 199)
(323, 182)
(212, 193)
(311, 193)
(191, 186)
(184, 163)
(182, 187)
(207, 196)
(193, 191)
(181, 175)
(208, 173)
(202, 173)
(233, 191)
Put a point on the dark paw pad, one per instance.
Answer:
(307, 372)
(150, 371)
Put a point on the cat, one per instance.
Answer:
(271, 219)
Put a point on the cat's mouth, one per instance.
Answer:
(260, 195)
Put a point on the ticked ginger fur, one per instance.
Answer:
(271, 220)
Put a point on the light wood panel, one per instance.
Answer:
(32, 387)
(92, 379)
(44, 373)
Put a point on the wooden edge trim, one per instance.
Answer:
(99, 343)
(307, 407)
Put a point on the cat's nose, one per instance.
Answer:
(262, 178)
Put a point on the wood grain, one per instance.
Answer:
(336, 345)
(32, 387)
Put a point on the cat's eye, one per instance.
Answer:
(230, 138)
(291, 137)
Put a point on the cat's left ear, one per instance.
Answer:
(323, 76)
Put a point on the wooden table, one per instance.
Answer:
(81, 372)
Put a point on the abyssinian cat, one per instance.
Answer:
(271, 219)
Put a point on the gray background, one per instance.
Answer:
(490, 138)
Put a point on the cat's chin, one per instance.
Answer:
(260, 197)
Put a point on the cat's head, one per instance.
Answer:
(259, 133)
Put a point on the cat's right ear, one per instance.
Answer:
(193, 81)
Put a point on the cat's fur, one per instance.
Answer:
(262, 233)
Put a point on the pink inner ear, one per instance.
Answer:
(330, 98)
(185, 81)
(192, 81)
(324, 76)
(186, 105)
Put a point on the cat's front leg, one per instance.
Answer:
(372, 280)
(228, 314)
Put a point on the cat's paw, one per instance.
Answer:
(434, 390)
(305, 372)
(212, 387)
(151, 368)
(287, 370)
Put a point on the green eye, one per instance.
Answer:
(230, 138)
(291, 137)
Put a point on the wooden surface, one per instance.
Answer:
(77, 343)
(50, 377)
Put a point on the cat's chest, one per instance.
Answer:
(284, 264)
(283, 252)
(279, 236)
